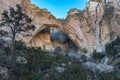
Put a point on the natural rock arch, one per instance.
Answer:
(62, 28)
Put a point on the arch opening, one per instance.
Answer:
(60, 39)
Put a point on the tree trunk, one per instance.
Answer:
(11, 56)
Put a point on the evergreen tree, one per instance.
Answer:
(113, 48)
(13, 23)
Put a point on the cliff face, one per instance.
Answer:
(90, 29)
(103, 17)
(97, 25)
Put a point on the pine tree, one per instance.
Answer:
(16, 22)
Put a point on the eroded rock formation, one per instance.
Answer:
(90, 29)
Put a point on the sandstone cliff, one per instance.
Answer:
(97, 25)
(90, 29)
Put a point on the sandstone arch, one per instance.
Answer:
(48, 26)
(34, 42)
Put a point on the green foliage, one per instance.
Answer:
(40, 65)
(1, 76)
(113, 48)
(108, 12)
(57, 50)
(85, 50)
(105, 75)
(16, 21)
(98, 55)
(3, 33)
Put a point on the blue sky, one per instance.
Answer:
(59, 8)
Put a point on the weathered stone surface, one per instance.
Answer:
(91, 28)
